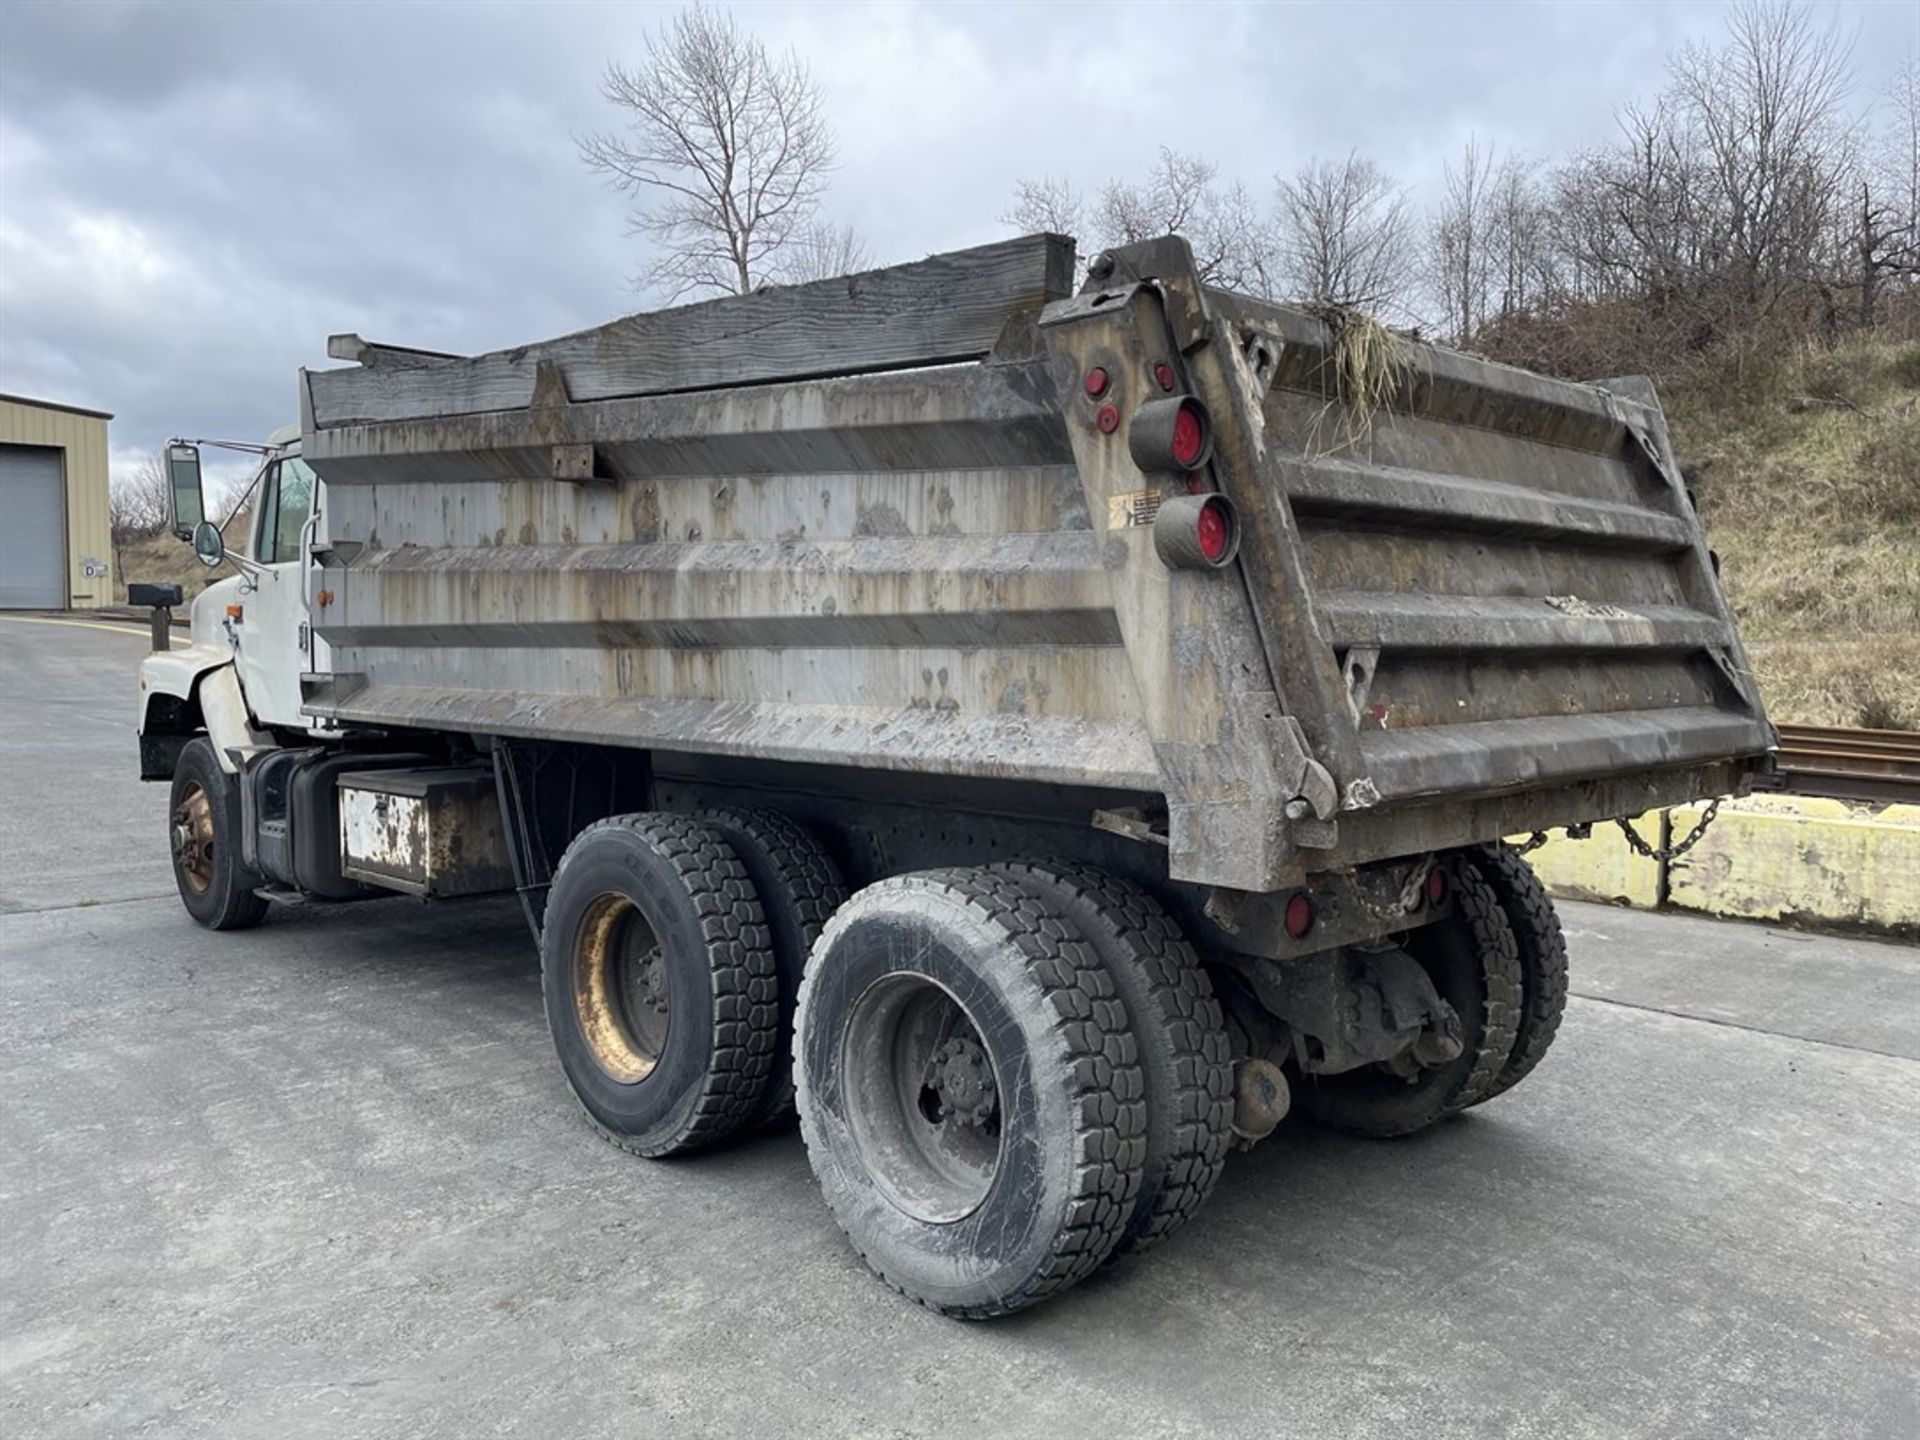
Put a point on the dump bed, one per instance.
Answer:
(895, 521)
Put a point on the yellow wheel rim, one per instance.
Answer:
(620, 989)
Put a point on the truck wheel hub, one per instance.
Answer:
(621, 989)
(192, 839)
(961, 1080)
(923, 1111)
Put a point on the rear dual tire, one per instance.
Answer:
(968, 1090)
(1472, 959)
(1178, 1031)
(799, 888)
(660, 983)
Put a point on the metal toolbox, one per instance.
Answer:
(433, 832)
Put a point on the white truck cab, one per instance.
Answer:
(238, 677)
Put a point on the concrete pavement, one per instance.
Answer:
(324, 1179)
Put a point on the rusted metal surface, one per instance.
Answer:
(1490, 610)
(430, 832)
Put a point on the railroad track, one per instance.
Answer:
(1877, 765)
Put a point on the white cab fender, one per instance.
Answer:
(179, 673)
(224, 709)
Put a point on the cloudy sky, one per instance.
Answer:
(193, 196)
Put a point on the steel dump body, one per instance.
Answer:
(1490, 611)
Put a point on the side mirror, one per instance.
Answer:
(184, 494)
(209, 546)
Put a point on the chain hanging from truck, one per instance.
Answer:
(1660, 854)
(1665, 853)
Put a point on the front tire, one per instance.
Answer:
(204, 833)
(968, 1091)
(659, 983)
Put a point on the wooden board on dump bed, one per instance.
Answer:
(935, 311)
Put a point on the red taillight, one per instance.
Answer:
(1097, 382)
(1196, 532)
(1214, 531)
(1172, 433)
(1189, 435)
(1163, 375)
(1436, 885)
(1108, 419)
(1299, 915)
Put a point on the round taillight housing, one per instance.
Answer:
(1163, 375)
(1196, 532)
(1171, 434)
(1097, 382)
(1298, 916)
(1107, 417)
(1436, 885)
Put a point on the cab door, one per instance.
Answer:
(273, 640)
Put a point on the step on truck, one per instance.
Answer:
(1039, 733)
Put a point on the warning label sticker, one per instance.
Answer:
(1134, 507)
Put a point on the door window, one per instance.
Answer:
(286, 499)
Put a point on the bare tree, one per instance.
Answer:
(1169, 201)
(137, 506)
(1899, 148)
(1881, 247)
(821, 250)
(1458, 240)
(1241, 244)
(1231, 239)
(1886, 224)
(725, 145)
(1345, 234)
(1521, 270)
(1766, 108)
(1179, 197)
(1631, 218)
(137, 502)
(1046, 204)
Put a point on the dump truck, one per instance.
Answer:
(1042, 732)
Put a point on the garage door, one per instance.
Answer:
(33, 528)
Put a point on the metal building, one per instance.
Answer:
(56, 549)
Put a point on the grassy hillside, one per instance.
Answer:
(161, 560)
(1808, 475)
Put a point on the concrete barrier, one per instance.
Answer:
(1796, 857)
(1767, 857)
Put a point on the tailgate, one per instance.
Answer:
(1500, 582)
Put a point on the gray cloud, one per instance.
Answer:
(192, 196)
